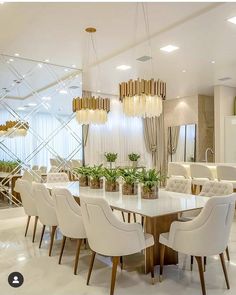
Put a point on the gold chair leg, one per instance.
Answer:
(129, 217)
(227, 253)
(54, 227)
(205, 262)
(222, 259)
(62, 249)
(191, 263)
(41, 238)
(162, 258)
(123, 215)
(201, 274)
(91, 266)
(77, 255)
(27, 225)
(115, 262)
(152, 264)
(35, 227)
(134, 215)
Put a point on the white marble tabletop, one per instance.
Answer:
(167, 203)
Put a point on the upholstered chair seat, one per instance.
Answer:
(227, 174)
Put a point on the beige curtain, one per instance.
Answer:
(154, 136)
(173, 138)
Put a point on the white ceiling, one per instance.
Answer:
(55, 31)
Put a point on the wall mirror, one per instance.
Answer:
(36, 101)
(182, 143)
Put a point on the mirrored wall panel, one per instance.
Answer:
(38, 130)
(182, 143)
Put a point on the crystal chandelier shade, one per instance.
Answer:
(142, 98)
(91, 109)
(14, 129)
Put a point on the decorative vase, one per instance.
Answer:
(95, 183)
(129, 189)
(149, 193)
(83, 180)
(111, 186)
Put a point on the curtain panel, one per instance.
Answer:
(154, 137)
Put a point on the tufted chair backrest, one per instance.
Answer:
(179, 185)
(57, 177)
(215, 188)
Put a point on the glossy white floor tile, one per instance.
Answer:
(43, 275)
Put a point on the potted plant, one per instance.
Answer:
(150, 180)
(134, 159)
(95, 174)
(111, 184)
(130, 177)
(83, 175)
(111, 158)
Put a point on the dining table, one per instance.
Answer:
(158, 213)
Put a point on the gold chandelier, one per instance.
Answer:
(142, 98)
(14, 128)
(91, 109)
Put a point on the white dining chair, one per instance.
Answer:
(35, 167)
(206, 235)
(227, 174)
(24, 187)
(57, 177)
(177, 170)
(70, 220)
(110, 237)
(43, 169)
(178, 185)
(200, 174)
(46, 211)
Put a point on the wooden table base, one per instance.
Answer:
(156, 226)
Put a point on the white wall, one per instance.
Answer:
(223, 106)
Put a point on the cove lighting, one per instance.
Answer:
(169, 48)
(46, 98)
(232, 20)
(123, 67)
(63, 91)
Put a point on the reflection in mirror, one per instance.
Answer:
(182, 143)
(37, 95)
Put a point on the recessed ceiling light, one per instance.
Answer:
(46, 60)
(178, 96)
(123, 67)
(16, 54)
(21, 108)
(46, 98)
(183, 71)
(169, 48)
(73, 66)
(66, 70)
(40, 65)
(11, 59)
(98, 90)
(63, 91)
(1, 2)
(32, 104)
(232, 20)
(213, 62)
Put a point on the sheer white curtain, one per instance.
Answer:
(121, 134)
(62, 142)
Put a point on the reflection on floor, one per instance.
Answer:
(43, 275)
